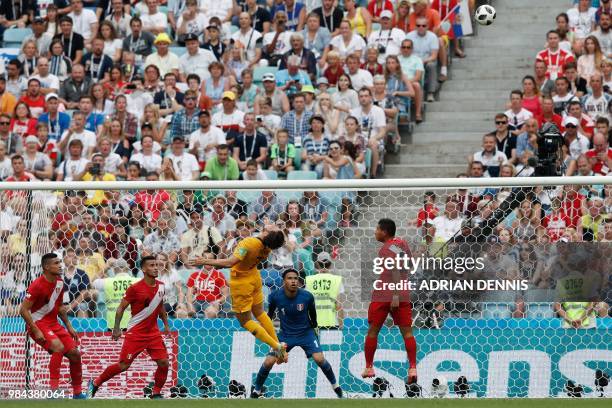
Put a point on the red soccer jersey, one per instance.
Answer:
(47, 298)
(376, 9)
(146, 303)
(555, 225)
(208, 285)
(572, 208)
(599, 167)
(151, 204)
(391, 249)
(554, 62)
(428, 213)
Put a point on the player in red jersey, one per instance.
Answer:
(146, 299)
(385, 302)
(40, 309)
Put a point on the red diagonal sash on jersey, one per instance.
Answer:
(146, 312)
(43, 311)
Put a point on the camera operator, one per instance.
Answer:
(388, 39)
(94, 171)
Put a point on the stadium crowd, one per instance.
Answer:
(228, 90)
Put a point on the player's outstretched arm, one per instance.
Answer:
(118, 316)
(26, 314)
(222, 263)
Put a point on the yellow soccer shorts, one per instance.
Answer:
(246, 291)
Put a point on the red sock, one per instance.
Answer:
(55, 365)
(76, 374)
(370, 349)
(110, 372)
(160, 379)
(411, 349)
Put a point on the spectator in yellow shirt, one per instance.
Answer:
(95, 171)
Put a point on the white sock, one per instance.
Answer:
(443, 71)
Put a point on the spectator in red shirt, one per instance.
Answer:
(600, 155)
(209, 287)
(556, 222)
(152, 201)
(22, 123)
(401, 18)
(572, 204)
(335, 68)
(548, 114)
(429, 210)
(34, 98)
(121, 246)
(446, 9)
(531, 96)
(19, 174)
(375, 7)
(554, 57)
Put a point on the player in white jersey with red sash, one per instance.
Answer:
(146, 299)
(40, 309)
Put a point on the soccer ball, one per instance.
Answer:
(485, 15)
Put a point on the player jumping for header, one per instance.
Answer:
(246, 285)
(298, 321)
(146, 299)
(40, 309)
(384, 302)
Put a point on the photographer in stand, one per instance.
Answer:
(94, 171)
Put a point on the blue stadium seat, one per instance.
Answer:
(332, 90)
(178, 50)
(248, 196)
(185, 274)
(302, 175)
(271, 174)
(368, 161)
(540, 310)
(496, 311)
(376, 27)
(297, 162)
(14, 36)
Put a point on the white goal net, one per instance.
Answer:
(543, 246)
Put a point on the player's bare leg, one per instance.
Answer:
(261, 334)
(324, 365)
(110, 371)
(411, 349)
(371, 343)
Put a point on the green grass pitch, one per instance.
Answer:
(313, 403)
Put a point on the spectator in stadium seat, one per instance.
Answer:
(600, 155)
(88, 227)
(297, 121)
(446, 225)
(360, 78)
(292, 79)
(76, 285)
(89, 259)
(22, 122)
(196, 60)
(185, 164)
(77, 131)
(562, 96)
(19, 173)
(590, 60)
(606, 235)
(247, 39)
(13, 284)
(596, 103)
(334, 68)
(330, 16)
(94, 171)
(553, 57)
(185, 121)
(165, 60)
(199, 240)
(522, 142)
(174, 297)
(120, 245)
(307, 60)
(230, 118)
(581, 21)
(556, 221)
(316, 146)
(373, 125)
(266, 208)
(7, 99)
(162, 239)
(314, 209)
(490, 157)
(280, 102)
(506, 141)
(586, 125)
(531, 96)
(147, 158)
(250, 144)
(589, 224)
(584, 168)
(151, 201)
(5, 161)
(315, 36)
(75, 87)
(207, 291)
(517, 115)
(544, 84)
(219, 217)
(235, 207)
(170, 99)
(37, 163)
(280, 259)
(604, 34)
(548, 114)
(426, 46)
(345, 44)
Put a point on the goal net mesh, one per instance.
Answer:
(509, 341)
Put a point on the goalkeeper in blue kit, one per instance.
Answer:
(298, 328)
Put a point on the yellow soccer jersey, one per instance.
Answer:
(251, 251)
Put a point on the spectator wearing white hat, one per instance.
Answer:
(37, 163)
(279, 100)
(576, 142)
(388, 39)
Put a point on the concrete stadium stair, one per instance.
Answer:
(497, 59)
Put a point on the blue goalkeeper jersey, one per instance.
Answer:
(297, 315)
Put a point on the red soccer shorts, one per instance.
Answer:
(378, 312)
(132, 347)
(52, 332)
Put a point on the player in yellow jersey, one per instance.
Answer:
(246, 285)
